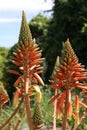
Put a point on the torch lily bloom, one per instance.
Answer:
(27, 56)
(68, 75)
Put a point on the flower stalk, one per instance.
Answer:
(55, 112)
(65, 112)
(19, 120)
(12, 115)
(27, 57)
(68, 76)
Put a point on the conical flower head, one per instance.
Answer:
(56, 66)
(76, 104)
(70, 72)
(68, 53)
(69, 104)
(27, 56)
(37, 116)
(25, 34)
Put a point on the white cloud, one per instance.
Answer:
(25, 4)
(10, 12)
(5, 20)
(30, 6)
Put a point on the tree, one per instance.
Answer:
(3, 54)
(8, 78)
(39, 28)
(69, 21)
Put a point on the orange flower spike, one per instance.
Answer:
(16, 63)
(69, 95)
(14, 72)
(77, 118)
(61, 100)
(59, 113)
(76, 104)
(39, 78)
(19, 80)
(69, 111)
(74, 116)
(60, 106)
(53, 98)
(16, 97)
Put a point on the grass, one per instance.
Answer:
(6, 113)
(47, 111)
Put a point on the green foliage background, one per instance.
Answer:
(69, 20)
(3, 54)
(8, 78)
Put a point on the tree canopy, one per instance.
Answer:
(3, 54)
(69, 21)
(39, 28)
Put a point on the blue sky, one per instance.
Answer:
(10, 17)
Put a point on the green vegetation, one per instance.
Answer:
(3, 54)
(39, 28)
(6, 112)
(8, 78)
(47, 109)
(67, 83)
(69, 21)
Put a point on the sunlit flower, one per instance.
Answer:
(27, 56)
(68, 75)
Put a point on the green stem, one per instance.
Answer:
(29, 118)
(65, 112)
(27, 104)
(54, 116)
(12, 115)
